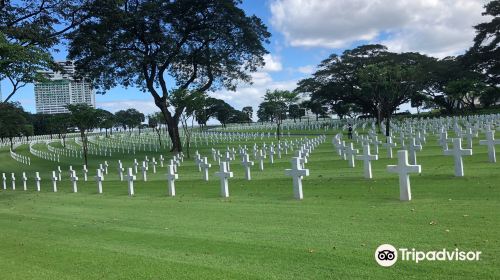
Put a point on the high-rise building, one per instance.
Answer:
(62, 88)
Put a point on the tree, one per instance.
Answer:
(13, 122)
(484, 55)
(207, 111)
(238, 117)
(130, 118)
(264, 113)
(135, 119)
(223, 112)
(294, 112)
(248, 110)
(368, 79)
(85, 118)
(60, 124)
(121, 119)
(277, 105)
(490, 96)
(199, 44)
(29, 29)
(155, 121)
(315, 106)
(192, 101)
(106, 120)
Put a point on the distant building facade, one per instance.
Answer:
(61, 89)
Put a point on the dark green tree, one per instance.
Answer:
(60, 125)
(85, 118)
(106, 120)
(155, 121)
(14, 122)
(249, 111)
(199, 44)
(277, 103)
(223, 112)
(484, 55)
(29, 29)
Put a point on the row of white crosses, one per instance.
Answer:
(224, 173)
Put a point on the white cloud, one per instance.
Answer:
(307, 69)
(272, 63)
(144, 106)
(435, 27)
(252, 95)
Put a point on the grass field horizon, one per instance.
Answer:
(260, 231)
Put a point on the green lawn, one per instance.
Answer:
(260, 231)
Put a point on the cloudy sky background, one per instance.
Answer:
(304, 32)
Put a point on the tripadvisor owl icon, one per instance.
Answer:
(386, 255)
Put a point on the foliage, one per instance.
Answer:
(29, 29)
(199, 44)
(14, 122)
(484, 55)
(85, 118)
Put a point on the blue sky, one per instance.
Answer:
(304, 32)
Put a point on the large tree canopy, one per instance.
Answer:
(368, 78)
(485, 53)
(161, 45)
(29, 30)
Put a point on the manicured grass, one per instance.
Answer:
(260, 231)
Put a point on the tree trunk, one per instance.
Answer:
(159, 135)
(278, 129)
(387, 126)
(379, 119)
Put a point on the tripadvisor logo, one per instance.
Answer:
(387, 255)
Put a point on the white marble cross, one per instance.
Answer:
(490, 142)
(403, 169)
(297, 172)
(457, 152)
(154, 163)
(350, 154)
(174, 163)
(161, 160)
(228, 160)
(375, 143)
(37, 181)
(247, 164)
(130, 177)
(98, 179)
(389, 145)
(13, 181)
(260, 157)
(412, 151)
(366, 157)
(469, 134)
(224, 174)
(24, 179)
(443, 139)
(171, 177)
(271, 154)
(59, 171)
(120, 170)
(136, 164)
(205, 166)
(4, 181)
(144, 171)
(106, 165)
(73, 180)
(85, 172)
(54, 181)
